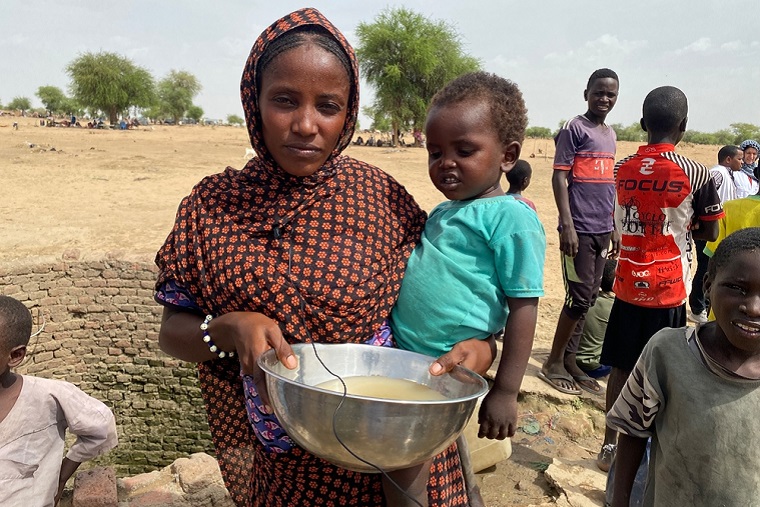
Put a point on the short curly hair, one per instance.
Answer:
(509, 115)
(15, 323)
(519, 172)
(601, 74)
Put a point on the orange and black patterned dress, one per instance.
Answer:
(259, 239)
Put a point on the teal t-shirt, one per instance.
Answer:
(471, 257)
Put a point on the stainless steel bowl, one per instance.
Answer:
(390, 434)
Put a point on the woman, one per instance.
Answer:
(751, 148)
(302, 244)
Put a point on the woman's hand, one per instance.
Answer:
(249, 334)
(474, 354)
(252, 334)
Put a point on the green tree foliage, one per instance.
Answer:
(721, 137)
(234, 119)
(54, 100)
(632, 132)
(407, 58)
(380, 119)
(176, 92)
(538, 132)
(20, 103)
(195, 112)
(110, 83)
(744, 131)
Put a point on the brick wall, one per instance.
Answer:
(101, 334)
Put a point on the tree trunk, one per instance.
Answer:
(394, 134)
(112, 116)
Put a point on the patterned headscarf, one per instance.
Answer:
(749, 169)
(249, 92)
(322, 255)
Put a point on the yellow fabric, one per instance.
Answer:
(740, 214)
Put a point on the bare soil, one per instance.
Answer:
(98, 191)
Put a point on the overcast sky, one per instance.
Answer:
(708, 48)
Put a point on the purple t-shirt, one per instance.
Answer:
(587, 151)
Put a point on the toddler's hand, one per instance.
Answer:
(498, 415)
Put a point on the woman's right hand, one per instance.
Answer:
(251, 334)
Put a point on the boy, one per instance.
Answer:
(728, 175)
(584, 190)
(34, 416)
(695, 393)
(595, 326)
(662, 200)
(740, 214)
(729, 181)
(519, 179)
(478, 267)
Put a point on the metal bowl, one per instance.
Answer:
(389, 434)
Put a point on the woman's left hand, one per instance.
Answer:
(475, 354)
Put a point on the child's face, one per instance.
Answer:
(10, 358)
(303, 101)
(735, 298)
(465, 156)
(601, 97)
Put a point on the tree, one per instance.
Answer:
(176, 92)
(110, 83)
(632, 132)
(234, 119)
(743, 131)
(53, 99)
(20, 103)
(195, 112)
(380, 119)
(538, 132)
(407, 58)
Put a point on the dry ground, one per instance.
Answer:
(100, 191)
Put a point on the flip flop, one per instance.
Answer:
(550, 377)
(585, 378)
(598, 372)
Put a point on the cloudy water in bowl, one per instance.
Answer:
(384, 387)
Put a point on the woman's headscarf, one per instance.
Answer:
(323, 255)
(249, 92)
(749, 169)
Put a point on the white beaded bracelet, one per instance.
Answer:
(211, 345)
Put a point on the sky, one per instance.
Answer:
(708, 48)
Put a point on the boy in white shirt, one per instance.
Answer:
(34, 416)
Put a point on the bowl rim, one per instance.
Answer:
(458, 368)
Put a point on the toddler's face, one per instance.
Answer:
(735, 298)
(465, 156)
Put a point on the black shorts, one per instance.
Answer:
(630, 327)
(582, 274)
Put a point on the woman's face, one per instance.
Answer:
(750, 155)
(303, 102)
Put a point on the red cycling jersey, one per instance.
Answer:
(659, 195)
